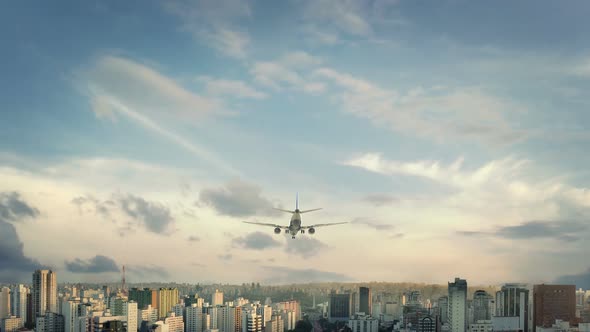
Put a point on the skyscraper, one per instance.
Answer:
(217, 298)
(44, 293)
(340, 307)
(365, 300)
(194, 318)
(553, 302)
(167, 298)
(513, 301)
(458, 305)
(144, 297)
(18, 301)
(251, 322)
(481, 306)
(130, 312)
(4, 303)
(443, 305)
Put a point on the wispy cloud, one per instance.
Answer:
(238, 199)
(291, 71)
(230, 88)
(373, 224)
(216, 23)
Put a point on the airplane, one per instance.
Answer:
(295, 223)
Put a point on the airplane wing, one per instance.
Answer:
(265, 224)
(322, 225)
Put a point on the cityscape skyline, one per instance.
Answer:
(452, 136)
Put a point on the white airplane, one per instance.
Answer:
(295, 223)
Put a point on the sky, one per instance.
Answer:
(450, 134)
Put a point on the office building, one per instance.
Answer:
(11, 324)
(144, 297)
(5, 303)
(130, 313)
(481, 306)
(513, 300)
(167, 298)
(457, 311)
(18, 302)
(363, 323)
(481, 326)
(44, 292)
(340, 307)
(275, 325)
(365, 300)
(194, 318)
(553, 302)
(217, 298)
(427, 323)
(70, 312)
(146, 317)
(443, 308)
(175, 323)
(50, 322)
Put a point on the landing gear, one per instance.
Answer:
(302, 231)
(293, 237)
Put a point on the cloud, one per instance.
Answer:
(154, 216)
(148, 272)
(559, 230)
(581, 280)
(303, 246)
(97, 264)
(193, 238)
(119, 86)
(380, 199)
(373, 224)
(226, 257)
(439, 114)
(288, 72)
(214, 23)
(344, 16)
(256, 241)
(14, 264)
(13, 208)
(287, 275)
(230, 88)
(237, 199)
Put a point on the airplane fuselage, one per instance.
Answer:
(295, 224)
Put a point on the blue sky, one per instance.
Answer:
(433, 125)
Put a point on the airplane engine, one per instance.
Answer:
(311, 230)
(277, 230)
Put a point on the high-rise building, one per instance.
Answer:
(217, 298)
(363, 323)
(275, 325)
(18, 302)
(457, 312)
(443, 307)
(167, 298)
(144, 297)
(70, 312)
(189, 300)
(44, 294)
(4, 303)
(251, 322)
(513, 301)
(481, 306)
(12, 324)
(147, 316)
(427, 323)
(175, 323)
(130, 313)
(365, 300)
(194, 318)
(340, 307)
(553, 302)
(50, 322)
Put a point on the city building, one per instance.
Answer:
(513, 300)
(457, 311)
(553, 302)
(147, 317)
(507, 324)
(18, 302)
(11, 324)
(275, 325)
(217, 298)
(130, 313)
(340, 307)
(175, 323)
(428, 323)
(50, 322)
(5, 303)
(251, 322)
(443, 308)
(144, 297)
(363, 323)
(481, 326)
(365, 301)
(44, 293)
(167, 298)
(70, 312)
(481, 306)
(194, 318)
